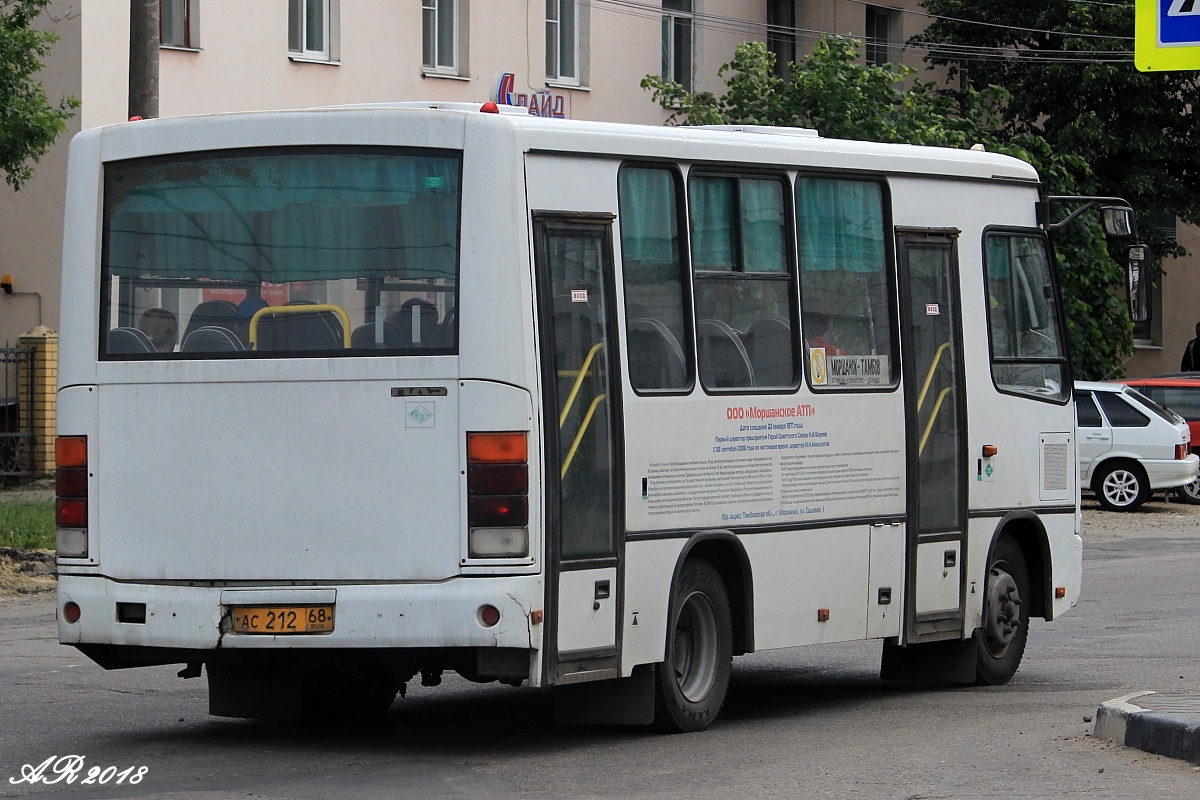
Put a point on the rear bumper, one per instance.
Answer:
(1169, 474)
(439, 615)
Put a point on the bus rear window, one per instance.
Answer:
(281, 253)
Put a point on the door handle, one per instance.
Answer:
(603, 590)
(1102, 437)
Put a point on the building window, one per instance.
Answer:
(883, 36)
(677, 42)
(781, 34)
(312, 29)
(566, 25)
(440, 26)
(179, 23)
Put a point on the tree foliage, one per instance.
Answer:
(29, 123)
(834, 93)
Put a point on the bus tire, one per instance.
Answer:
(1001, 639)
(691, 682)
(1121, 486)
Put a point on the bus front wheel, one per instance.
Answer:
(1001, 639)
(691, 682)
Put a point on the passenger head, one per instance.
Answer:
(245, 312)
(162, 328)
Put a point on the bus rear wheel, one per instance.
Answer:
(691, 682)
(1001, 639)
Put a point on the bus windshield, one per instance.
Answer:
(291, 252)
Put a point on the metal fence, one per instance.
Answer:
(16, 411)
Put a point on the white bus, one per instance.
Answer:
(352, 395)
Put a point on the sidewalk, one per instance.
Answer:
(41, 489)
(1167, 724)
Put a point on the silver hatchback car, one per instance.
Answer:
(1129, 445)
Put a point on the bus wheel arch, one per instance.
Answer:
(725, 552)
(1026, 529)
(1016, 588)
(691, 682)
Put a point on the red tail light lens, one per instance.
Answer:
(70, 512)
(498, 479)
(1181, 452)
(70, 481)
(493, 512)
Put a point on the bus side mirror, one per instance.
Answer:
(1118, 220)
(1137, 273)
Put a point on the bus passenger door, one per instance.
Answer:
(574, 262)
(935, 404)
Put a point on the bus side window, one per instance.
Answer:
(845, 293)
(654, 271)
(743, 281)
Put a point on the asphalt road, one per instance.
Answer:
(803, 723)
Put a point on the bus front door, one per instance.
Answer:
(935, 402)
(574, 261)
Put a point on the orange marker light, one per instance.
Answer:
(989, 450)
(1060, 592)
(822, 615)
(70, 451)
(497, 448)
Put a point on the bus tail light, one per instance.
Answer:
(71, 496)
(1181, 452)
(497, 495)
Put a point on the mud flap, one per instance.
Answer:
(262, 693)
(953, 661)
(619, 701)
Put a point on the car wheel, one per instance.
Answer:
(1121, 487)
(1190, 492)
(1001, 639)
(690, 684)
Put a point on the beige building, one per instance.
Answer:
(575, 58)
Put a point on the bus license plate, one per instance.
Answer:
(280, 620)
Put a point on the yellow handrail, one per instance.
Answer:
(933, 416)
(271, 311)
(937, 356)
(587, 420)
(583, 371)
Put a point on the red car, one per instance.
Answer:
(1181, 394)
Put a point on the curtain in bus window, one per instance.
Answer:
(846, 295)
(281, 218)
(763, 226)
(714, 243)
(653, 270)
(649, 218)
(840, 225)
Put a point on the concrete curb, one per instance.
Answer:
(1165, 724)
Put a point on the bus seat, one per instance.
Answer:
(319, 330)
(363, 337)
(724, 362)
(210, 313)
(656, 360)
(769, 345)
(211, 339)
(129, 340)
(417, 321)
